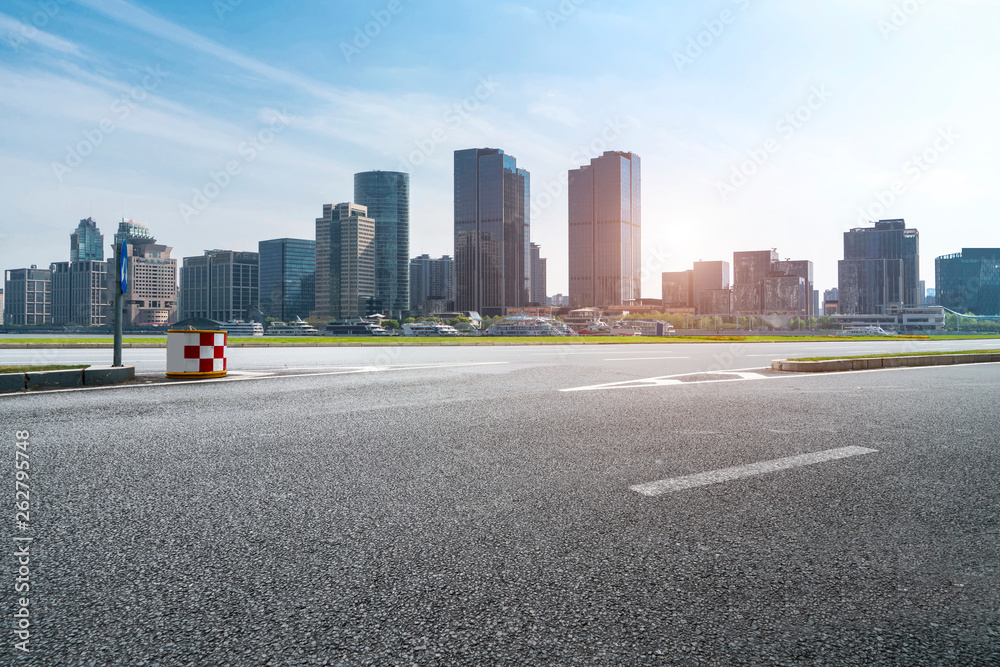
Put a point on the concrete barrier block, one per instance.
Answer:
(981, 358)
(944, 360)
(921, 361)
(98, 375)
(776, 364)
(39, 379)
(12, 381)
(995, 357)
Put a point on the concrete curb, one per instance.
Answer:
(90, 377)
(835, 365)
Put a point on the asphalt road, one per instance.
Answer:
(476, 506)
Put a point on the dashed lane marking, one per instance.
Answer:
(752, 470)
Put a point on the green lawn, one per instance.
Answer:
(33, 369)
(899, 354)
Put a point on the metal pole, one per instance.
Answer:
(119, 306)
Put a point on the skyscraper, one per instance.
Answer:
(880, 270)
(539, 276)
(152, 292)
(28, 296)
(287, 278)
(220, 285)
(386, 195)
(432, 280)
(86, 244)
(492, 231)
(969, 281)
(605, 224)
(345, 261)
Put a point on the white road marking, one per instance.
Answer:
(644, 358)
(751, 470)
(672, 380)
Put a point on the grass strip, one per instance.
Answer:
(35, 369)
(899, 354)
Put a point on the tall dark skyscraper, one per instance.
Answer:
(492, 231)
(287, 278)
(880, 270)
(605, 225)
(86, 244)
(386, 194)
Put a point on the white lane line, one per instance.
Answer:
(643, 358)
(752, 470)
(672, 380)
(181, 383)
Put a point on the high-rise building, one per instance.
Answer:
(539, 276)
(763, 284)
(678, 289)
(152, 277)
(28, 296)
(1, 307)
(750, 271)
(880, 271)
(345, 262)
(287, 278)
(220, 285)
(969, 281)
(710, 284)
(80, 293)
(605, 224)
(386, 195)
(432, 280)
(86, 244)
(492, 232)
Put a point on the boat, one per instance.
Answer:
(867, 331)
(581, 318)
(420, 329)
(524, 325)
(239, 328)
(296, 328)
(359, 328)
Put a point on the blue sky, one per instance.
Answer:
(760, 124)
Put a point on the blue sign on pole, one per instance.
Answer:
(123, 266)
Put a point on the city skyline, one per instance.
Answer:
(242, 146)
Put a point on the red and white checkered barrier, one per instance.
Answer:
(196, 354)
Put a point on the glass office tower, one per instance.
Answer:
(86, 244)
(492, 231)
(605, 225)
(287, 278)
(969, 281)
(880, 270)
(386, 195)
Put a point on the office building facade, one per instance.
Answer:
(880, 271)
(345, 262)
(221, 285)
(86, 243)
(152, 277)
(764, 284)
(605, 231)
(80, 293)
(492, 232)
(386, 195)
(27, 296)
(539, 276)
(678, 289)
(969, 281)
(287, 278)
(432, 280)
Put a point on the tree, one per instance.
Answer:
(390, 324)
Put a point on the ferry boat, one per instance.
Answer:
(867, 331)
(239, 328)
(581, 318)
(360, 328)
(296, 328)
(419, 329)
(523, 325)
